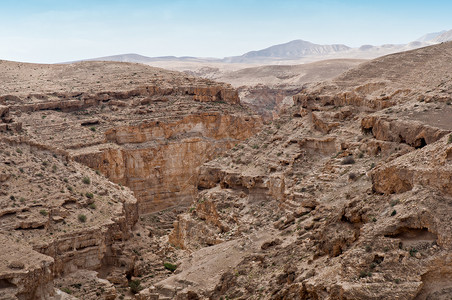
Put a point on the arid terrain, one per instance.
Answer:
(125, 181)
(267, 79)
(265, 89)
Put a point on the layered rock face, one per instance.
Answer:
(25, 273)
(150, 134)
(66, 130)
(56, 217)
(159, 160)
(345, 197)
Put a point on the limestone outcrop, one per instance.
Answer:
(151, 138)
(358, 210)
(58, 215)
(162, 186)
(428, 168)
(159, 160)
(80, 162)
(25, 273)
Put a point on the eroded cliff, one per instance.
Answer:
(74, 139)
(150, 133)
(345, 197)
(56, 217)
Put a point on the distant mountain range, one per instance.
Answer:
(430, 36)
(296, 50)
(444, 37)
(137, 58)
(291, 50)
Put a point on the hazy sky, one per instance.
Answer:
(64, 30)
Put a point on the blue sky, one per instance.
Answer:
(54, 31)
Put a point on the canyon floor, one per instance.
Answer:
(125, 181)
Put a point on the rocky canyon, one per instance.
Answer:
(125, 181)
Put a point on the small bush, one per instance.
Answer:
(352, 176)
(43, 212)
(170, 266)
(394, 212)
(92, 128)
(135, 286)
(65, 180)
(364, 274)
(66, 290)
(349, 160)
(413, 251)
(92, 206)
(86, 180)
(394, 202)
(19, 151)
(89, 195)
(12, 198)
(82, 218)
(70, 188)
(449, 140)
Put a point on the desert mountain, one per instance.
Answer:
(423, 71)
(292, 50)
(137, 58)
(444, 37)
(430, 36)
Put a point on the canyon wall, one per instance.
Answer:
(70, 152)
(160, 160)
(56, 217)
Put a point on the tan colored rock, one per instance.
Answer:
(326, 146)
(413, 133)
(88, 286)
(375, 228)
(428, 167)
(163, 173)
(24, 273)
(188, 234)
(321, 124)
(46, 217)
(4, 111)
